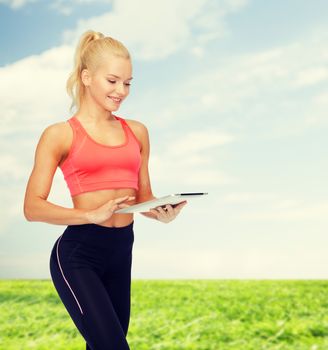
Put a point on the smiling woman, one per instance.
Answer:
(104, 159)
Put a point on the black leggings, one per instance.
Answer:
(90, 266)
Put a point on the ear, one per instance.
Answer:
(85, 77)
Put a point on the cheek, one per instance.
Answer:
(100, 89)
(105, 86)
(102, 86)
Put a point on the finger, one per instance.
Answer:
(155, 212)
(162, 211)
(181, 205)
(122, 205)
(163, 207)
(122, 199)
(113, 208)
(117, 200)
(156, 209)
(170, 209)
(112, 203)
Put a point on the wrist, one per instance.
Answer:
(88, 216)
(149, 215)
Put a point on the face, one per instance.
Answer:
(110, 83)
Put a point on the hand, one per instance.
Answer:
(105, 211)
(169, 213)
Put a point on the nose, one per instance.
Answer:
(121, 89)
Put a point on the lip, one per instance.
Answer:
(116, 101)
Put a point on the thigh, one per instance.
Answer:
(100, 322)
(66, 294)
(118, 287)
(88, 303)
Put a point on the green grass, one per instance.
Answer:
(177, 315)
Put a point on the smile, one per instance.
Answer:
(115, 99)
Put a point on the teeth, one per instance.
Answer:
(115, 99)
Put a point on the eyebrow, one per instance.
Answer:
(119, 77)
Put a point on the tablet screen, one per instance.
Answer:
(172, 199)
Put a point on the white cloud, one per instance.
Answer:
(247, 197)
(321, 98)
(234, 262)
(11, 167)
(11, 205)
(191, 160)
(197, 51)
(162, 28)
(268, 206)
(274, 91)
(16, 4)
(32, 96)
(154, 262)
(311, 76)
(319, 106)
(32, 90)
(66, 7)
(289, 210)
(260, 90)
(245, 86)
(187, 172)
(198, 141)
(33, 265)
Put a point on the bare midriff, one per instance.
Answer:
(93, 200)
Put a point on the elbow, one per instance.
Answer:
(33, 208)
(28, 213)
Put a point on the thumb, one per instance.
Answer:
(122, 205)
(123, 199)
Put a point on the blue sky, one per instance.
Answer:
(234, 94)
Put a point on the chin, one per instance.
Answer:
(111, 108)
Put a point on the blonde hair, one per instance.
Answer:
(90, 49)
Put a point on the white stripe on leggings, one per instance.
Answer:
(64, 276)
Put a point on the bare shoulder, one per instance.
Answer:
(57, 136)
(59, 129)
(141, 132)
(139, 129)
(136, 125)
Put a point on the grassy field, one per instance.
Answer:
(178, 314)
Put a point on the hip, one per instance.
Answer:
(97, 240)
(93, 246)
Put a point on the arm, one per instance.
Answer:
(48, 154)
(49, 151)
(144, 192)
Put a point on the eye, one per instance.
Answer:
(113, 82)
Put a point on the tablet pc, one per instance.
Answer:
(172, 199)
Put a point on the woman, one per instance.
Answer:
(104, 160)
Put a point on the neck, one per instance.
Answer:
(93, 112)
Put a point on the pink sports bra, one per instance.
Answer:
(91, 166)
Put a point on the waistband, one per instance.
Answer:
(99, 228)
